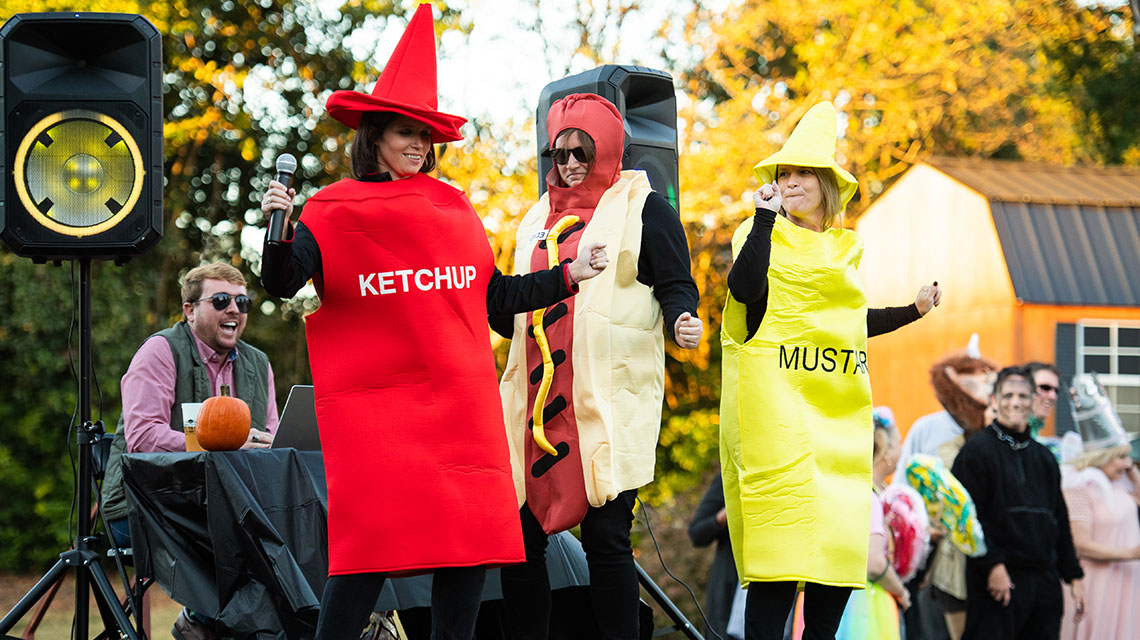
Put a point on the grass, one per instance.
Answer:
(57, 623)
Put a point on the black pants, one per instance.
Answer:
(613, 578)
(1034, 612)
(348, 600)
(769, 604)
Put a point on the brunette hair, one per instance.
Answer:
(588, 147)
(192, 282)
(1013, 372)
(885, 431)
(1034, 367)
(371, 129)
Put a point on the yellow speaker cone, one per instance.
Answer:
(78, 172)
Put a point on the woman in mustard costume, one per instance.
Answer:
(796, 436)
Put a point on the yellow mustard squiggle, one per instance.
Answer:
(543, 345)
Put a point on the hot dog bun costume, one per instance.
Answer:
(795, 417)
(603, 409)
(418, 469)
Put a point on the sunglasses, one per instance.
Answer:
(222, 300)
(562, 156)
(1046, 388)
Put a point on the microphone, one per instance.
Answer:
(286, 165)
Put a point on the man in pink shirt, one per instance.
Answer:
(190, 362)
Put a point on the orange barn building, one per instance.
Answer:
(1041, 261)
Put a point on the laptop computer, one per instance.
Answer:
(298, 425)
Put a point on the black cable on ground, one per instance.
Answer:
(660, 558)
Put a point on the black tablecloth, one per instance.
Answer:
(241, 536)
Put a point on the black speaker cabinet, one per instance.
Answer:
(81, 128)
(648, 105)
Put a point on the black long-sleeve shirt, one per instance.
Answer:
(287, 266)
(722, 584)
(1016, 486)
(663, 265)
(748, 282)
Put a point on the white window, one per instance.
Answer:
(1111, 349)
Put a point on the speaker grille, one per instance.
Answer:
(78, 172)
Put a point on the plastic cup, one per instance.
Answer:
(192, 439)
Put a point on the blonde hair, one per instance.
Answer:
(1101, 457)
(192, 282)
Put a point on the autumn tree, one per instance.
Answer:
(997, 78)
(242, 82)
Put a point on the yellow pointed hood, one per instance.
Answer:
(812, 144)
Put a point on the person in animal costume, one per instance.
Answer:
(418, 469)
(795, 417)
(584, 381)
(962, 383)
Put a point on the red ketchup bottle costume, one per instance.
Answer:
(417, 465)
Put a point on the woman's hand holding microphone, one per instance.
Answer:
(277, 197)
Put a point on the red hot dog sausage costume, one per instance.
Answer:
(603, 410)
(418, 470)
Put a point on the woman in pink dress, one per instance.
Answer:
(1102, 495)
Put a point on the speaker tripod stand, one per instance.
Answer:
(88, 572)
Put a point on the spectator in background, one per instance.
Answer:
(1046, 382)
(1102, 492)
(710, 524)
(1014, 590)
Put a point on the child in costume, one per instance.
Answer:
(584, 382)
(872, 614)
(418, 469)
(796, 400)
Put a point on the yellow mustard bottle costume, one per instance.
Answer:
(795, 416)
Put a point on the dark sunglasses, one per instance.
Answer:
(1046, 388)
(222, 300)
(562, 156)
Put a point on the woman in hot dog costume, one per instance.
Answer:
(418, 468)
(595, 366)
(795, 418)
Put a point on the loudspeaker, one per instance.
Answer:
(81, 128)
(648, 105)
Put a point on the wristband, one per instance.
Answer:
(872, 578)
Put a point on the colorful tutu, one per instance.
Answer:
(871, 614)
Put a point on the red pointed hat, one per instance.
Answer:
(406, 86)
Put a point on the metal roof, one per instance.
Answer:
(1070, 235)
(1009, 181)
(1071, 254)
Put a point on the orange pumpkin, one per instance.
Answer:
(223, 422)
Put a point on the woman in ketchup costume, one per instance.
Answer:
(416, 458)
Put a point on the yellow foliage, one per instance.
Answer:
(910, 79)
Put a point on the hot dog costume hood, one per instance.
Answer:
(795, 415)
(603, 410)
(418, 469)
